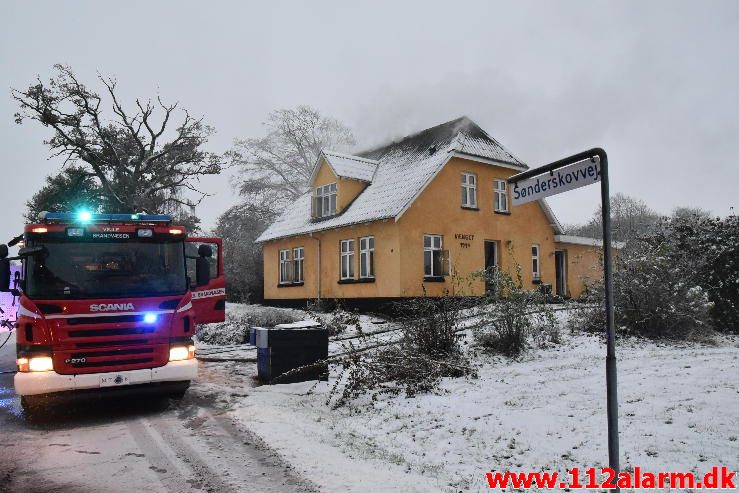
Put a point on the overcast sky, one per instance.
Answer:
(656, 84)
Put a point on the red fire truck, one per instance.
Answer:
(111, 300)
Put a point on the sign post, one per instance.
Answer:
(560, 176)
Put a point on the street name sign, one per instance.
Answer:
(560, 176)
(557, 181)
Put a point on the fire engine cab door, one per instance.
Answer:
(209, 301)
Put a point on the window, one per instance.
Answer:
(367, 257)
(284, 266)
(347, 259)
(298, 264)
(501, 196)
(325, 200)
(535, 261)
(469, 190)
(432, 256)
(191, 253)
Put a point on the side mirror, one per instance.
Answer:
(31, 251)
(202, 271)
(4, 269)
(4, 275)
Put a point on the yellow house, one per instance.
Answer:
(418, 216)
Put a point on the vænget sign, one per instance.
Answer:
(561, 180)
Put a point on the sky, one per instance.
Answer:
(656, 84)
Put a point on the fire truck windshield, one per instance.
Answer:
(69, 270)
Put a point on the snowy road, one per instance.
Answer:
(132, 443)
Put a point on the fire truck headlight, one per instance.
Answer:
(35, 363)
(179, 353)
(150, 318)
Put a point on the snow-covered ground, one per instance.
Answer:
(239, 316)
(679, 410)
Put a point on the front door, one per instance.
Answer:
(560, 272)
(209, 301)
(491, 263)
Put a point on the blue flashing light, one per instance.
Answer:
(84, 216)
(150, 318)
(88, 217)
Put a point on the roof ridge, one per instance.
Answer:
(393, 142)
(485, 132)
(350, 156)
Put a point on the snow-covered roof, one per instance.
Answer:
(402, 170)
(346, 166)
(584, 240)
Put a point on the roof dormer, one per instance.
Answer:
(337, 180)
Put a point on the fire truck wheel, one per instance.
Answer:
(178, 389)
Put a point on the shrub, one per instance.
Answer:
(654, 296)
(517, 316)
(338, 321)
(427, 351)
(707, 251)
(240, 317)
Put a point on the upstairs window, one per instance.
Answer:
(501, 196)
(325, 200)
(367, 257)
(298, 255)
(285, 266)
(347, 259)
(535, 262)
(469, 190)
(432, 256)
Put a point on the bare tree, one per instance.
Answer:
(630, 218)
(141, 162)
(275, 169)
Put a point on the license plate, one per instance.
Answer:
(114, 380)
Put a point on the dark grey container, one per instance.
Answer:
(290, 346)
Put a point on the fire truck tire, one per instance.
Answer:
(178, 389)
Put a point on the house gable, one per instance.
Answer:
(465, 230)
(346, 189)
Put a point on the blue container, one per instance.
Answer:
(253, 336)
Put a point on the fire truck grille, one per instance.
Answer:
(105, 359)
(129, 342)
(105, 320)
(120, 362)
(112, 352)
(111, 332)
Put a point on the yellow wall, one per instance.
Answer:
(438, 210)
(399, 245)
(387, 264)
(584, 265)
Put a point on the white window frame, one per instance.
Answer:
(298, 264)
(346, 259)
(469, 190)
(367, 257)
(325, 200)
(536, 261)
(430, 247)
(285, 266)
(501, 196)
